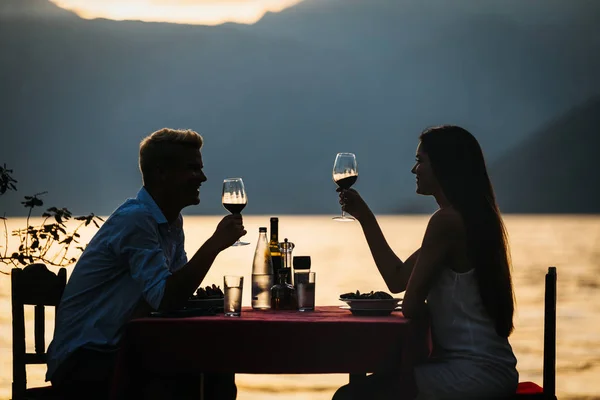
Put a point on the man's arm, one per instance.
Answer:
(139, 245)
(181, 284)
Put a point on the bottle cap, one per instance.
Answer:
(262, 229)
(274, 219)
(301, 262)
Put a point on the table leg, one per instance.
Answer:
(355, 378)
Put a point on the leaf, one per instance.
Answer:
(2, 217)
(97, 226)
(35, 244)
(67, 240)
(46, 214)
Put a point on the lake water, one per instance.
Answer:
(342, 262)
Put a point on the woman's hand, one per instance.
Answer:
(353, 204)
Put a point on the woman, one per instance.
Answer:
(463, 271)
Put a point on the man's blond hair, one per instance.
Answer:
(163, 146)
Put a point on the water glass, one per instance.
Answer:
(305, 290)
(233, 286)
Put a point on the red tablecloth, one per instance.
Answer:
(328, 340)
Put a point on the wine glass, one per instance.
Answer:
(345, 173)
(234, 199)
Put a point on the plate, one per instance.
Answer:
(372, 304)
(206, 304)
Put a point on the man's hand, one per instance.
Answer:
(230, 229)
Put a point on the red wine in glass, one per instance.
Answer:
(345, 174)
(234, 208)
(346, 183)
(234, 199)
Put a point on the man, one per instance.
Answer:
(134, 263)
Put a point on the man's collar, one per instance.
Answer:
(146, 199)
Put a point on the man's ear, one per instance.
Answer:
(161, 172)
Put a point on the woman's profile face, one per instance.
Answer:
(426, 182)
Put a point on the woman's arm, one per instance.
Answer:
(443, 229)
(395, 273)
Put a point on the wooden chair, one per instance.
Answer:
(33, 285)
(530, 390)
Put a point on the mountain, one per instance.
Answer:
(38, 9)
(277, 100)
(554, 170)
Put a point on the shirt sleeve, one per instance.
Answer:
(180, 258)
(140, 248)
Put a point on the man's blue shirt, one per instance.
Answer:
(129, 259)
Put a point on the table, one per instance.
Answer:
(328, 340)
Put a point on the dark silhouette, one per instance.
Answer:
(134, 264)
(461, 271)
(459, 167)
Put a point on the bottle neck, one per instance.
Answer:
(281, 278)
(274, 232)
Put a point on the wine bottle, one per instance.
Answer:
(274, 243)
(262, 273)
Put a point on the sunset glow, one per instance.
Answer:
(204, 12)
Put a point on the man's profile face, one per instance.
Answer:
(182, 180)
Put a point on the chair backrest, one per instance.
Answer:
(33, 285)
(549, 383)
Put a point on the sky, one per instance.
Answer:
(204, 12)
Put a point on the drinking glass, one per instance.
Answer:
(234, 199)
(345, 173)
(232, 303)
(305, 290)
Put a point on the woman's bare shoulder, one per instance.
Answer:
(447, 219)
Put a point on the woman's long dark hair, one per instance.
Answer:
(459, 167)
